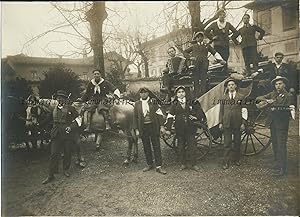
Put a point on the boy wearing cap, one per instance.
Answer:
(65, 123)
(148, 122)
(231, 123)
(249, 42)
(280, 110)
(96, 93)
(185, 112)
(200, 51)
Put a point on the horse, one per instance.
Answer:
(121, 113)
(44, 124)
(13, 121)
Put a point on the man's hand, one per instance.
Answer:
(253, 75)
(243, 127)
(68, 130)
(137, 132)
(162, 130)
(168, 133)
(223, 62)
(191, 117)
(292, 90)
(221, 127)
(270, 101)
(293, 112)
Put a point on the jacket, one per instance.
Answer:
(231, 111)
(63, 118)
(248, 35)
(183, 124)
(156, 116)
(278, 112)
(105, 88)
(220, 36)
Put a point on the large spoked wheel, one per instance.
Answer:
(256, 136)
(203, 141)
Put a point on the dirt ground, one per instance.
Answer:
(106, 187)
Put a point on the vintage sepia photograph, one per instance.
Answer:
(150, 108)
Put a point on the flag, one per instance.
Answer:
(210, 102)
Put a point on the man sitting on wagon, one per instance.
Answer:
(176, 65)
(96, 93)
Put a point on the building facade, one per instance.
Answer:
(280, 20)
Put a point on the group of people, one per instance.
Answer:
(218, 33)
(150, 123)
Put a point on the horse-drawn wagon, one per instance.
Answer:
(255, 138)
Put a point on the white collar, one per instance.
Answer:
(220, 24)
(182, 101)
(278, 65)
(95, 83)
(232, 94)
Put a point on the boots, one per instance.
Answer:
(107, 120)
(89, 119)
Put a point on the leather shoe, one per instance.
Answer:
(147, 168)
(161, 171)
(183, 167)
(237, 163)
(66, 173)
(48, 179)
(225, 166)
(195, 168)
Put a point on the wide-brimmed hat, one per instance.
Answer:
(230, 79)
(198, 33)
(144, 90)
(178, 88)
(279, 78)
(61, 93)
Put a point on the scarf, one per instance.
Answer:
(145, 106)
(221, 25)
(97, 85)
(182, 102)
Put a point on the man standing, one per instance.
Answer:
(200, 51)
(219, 32)
(249, 42)
(175, 66)
(65, 123)
(280, 110)
(279, 68)
(231, 123)
(96, 93)
(148, 123)
(185, 112)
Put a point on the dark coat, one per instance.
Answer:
(220, 36)
(200, 53)
(105, 88)
(278, 112)
(183, 124)
(64, 118)
(231, 111)
(138, 117)
(248, 35)
(285, 71)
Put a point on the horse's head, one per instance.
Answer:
(35, 107)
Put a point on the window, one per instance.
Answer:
(289, 17)
(265, 20)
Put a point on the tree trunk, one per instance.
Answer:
(194, 9)
(96, 16)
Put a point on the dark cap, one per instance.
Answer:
(61, 93)
(198, 34)
(278, 54)
(230, 79)
(144, 90)
(178, 88)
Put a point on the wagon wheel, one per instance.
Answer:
(256, 136)
(203, 141)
